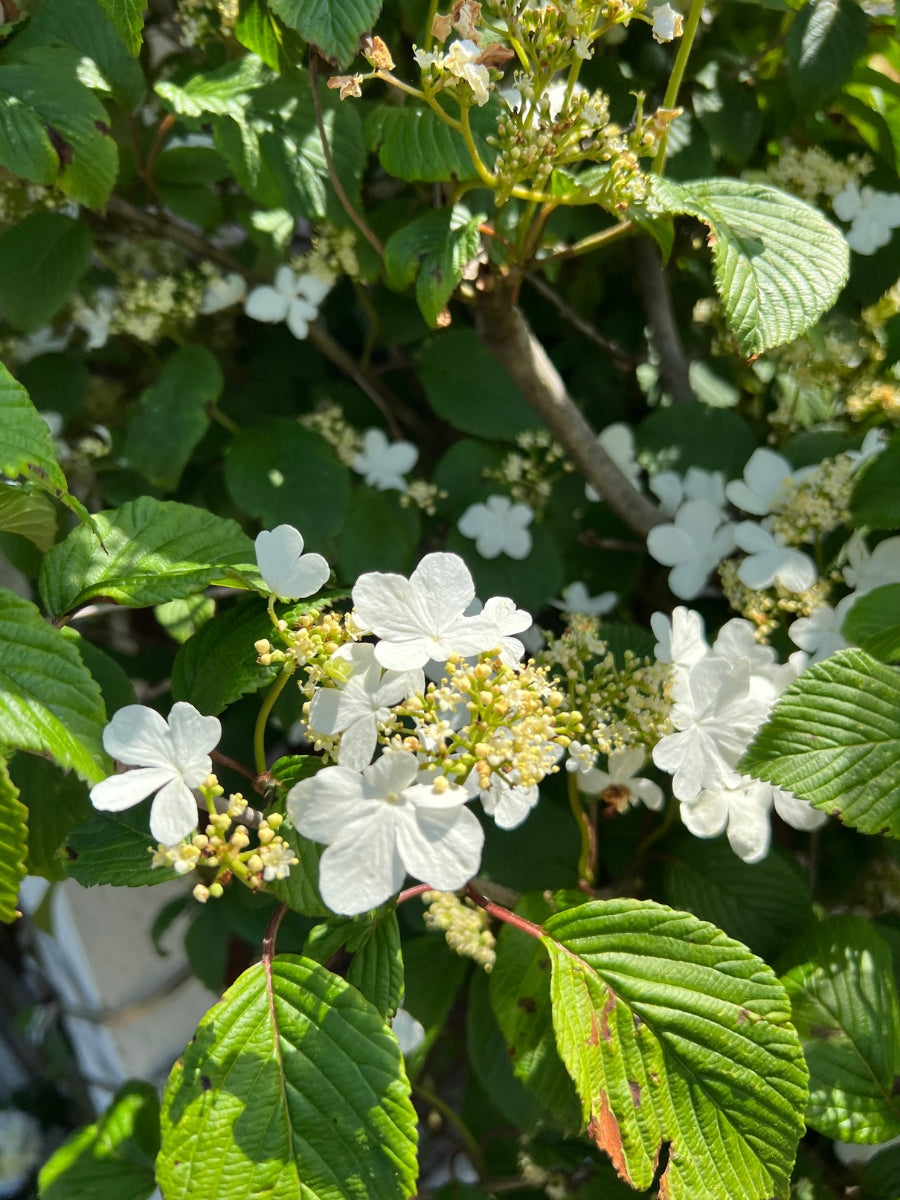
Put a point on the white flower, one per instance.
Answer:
(797, 813)
(582, 47)
(668, 24)
(618, 442)
(874, 216)
(423, 617)
(681, 641)
(95, 319)
(873, 443)
(580, 758)
(170, 759)
(769, 560)
(499, 527)
(460, 60)
(222, 291)
(278, 862)
(502, 617)
(577, 599)
(742, 810)
(20, 1149)
(672, 490)
(509, 804)
(767, 480)
(693, 546)
(289, 573)
(622, 782)
(293, 298)
(820, 633)
(355, 709)
(382, 463)
(864, 571)
(380, 825)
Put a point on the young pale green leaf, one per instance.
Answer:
(876, 497)
(520, 998)
(28, 513)
(54, 130)
(128, 18)
(676, 1034)
(49, 702)
(824, 41)
(174, 416)
(41, 261)
(833, 738)
(225, 91)
(874, 623)
(779, 265)
(115, 848)
(332, 26)
(376, 966)
(219, 664)
(26, 447)
(13, 845)
(113, 1157)
(294, 1085)
(56, 803)
(764, 904)
(255, 29)
(846, 1011)
(146, 552)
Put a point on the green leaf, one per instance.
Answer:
(113, 1157)
(26, 447)
(280, 473)
(876, 497)
(693, 435)
(115, 686)
(881, 1176)
(28, 513)
(490, 1062)
(56, 803)
(13, 845)
(762, 904)
(824, 41)
(874, 623)
(254, 29)
(41, 261)
(846, 1011)
(300, 890)
(128, 18)
(49, 703)
(53, 130)
(779, 265)
(174, 415)
(115, 848)
(148, 551)
(225, 91)
(85, 27)
(181, 619)
(415, 145)
(378, 535)
(376, 966)
(520, 998)
(294, 1085)
(218, 664)
(457, 372)
(530, 581)
(332, 26)
(833, 738)
(675, 1033)
(434, 250)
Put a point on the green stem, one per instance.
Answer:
(661, 830)
(473, 1150)
(429, 22)
(259, 732)
(595, 241)
(466, 130)
(585, 833)
(671, 96)
(215, 413)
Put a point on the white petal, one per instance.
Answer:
(707, 815)
(139, 736)
(358, 742)
(193, 736)
(323, 806)
(123, 791)
(265, 304)
(174, 813)
(440, 846)
(447, 582)
(797, 813)
(299, 315)
(362, 869)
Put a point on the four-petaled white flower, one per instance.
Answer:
(672, 490)
(423, 617)
(864, 571)
(294, 299)
(668, 23)
(768, 479)
(620, 785)
(681, 640)
(770, 561)
(289, 573)
(820, 634)
(169, 758)
(692, 546)
(577, 599)
(382, 463)
(499, 527)
(874, 216)
(380, 825)
(618, 442)
(354, 709)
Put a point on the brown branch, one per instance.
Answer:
(504, 330)
(673, 365)
(622, 359)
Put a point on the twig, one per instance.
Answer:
(503, 328)
(673, 365)
(271, 936)
(351, 212)
(623, 360)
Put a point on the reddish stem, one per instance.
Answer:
(503, 914)
(411, 893)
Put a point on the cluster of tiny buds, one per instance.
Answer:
(311, 640)
(465, 927)
(223, 851)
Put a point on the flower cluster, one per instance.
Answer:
(466, 928)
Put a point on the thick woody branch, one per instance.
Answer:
(673, 365)
(504, 330)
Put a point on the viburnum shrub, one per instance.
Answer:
(451, 502)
